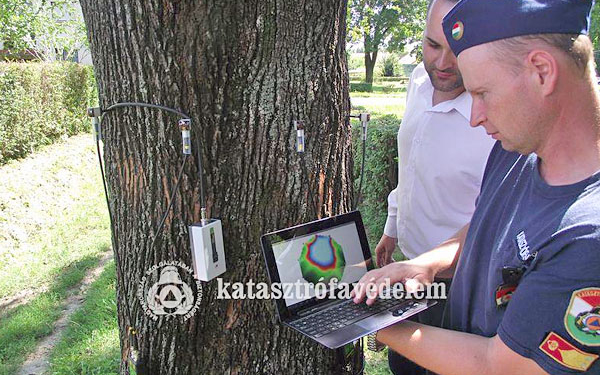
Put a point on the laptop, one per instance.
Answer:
(317, 253)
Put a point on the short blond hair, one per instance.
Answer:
(578, 48)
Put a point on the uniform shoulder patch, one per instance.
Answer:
(567, 354)
(582, 319)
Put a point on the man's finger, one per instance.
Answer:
(381, 254)
(357, 292)
(372, 290)
(360, 287)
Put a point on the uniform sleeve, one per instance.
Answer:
(390, 229)
(553, 317)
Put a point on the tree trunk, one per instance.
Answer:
(370, 59)
(243, 71)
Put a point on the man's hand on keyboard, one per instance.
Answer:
(373, 282)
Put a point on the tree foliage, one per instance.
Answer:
(17, 21)
(385, 24)
(43, 28)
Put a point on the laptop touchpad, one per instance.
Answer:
(377, 321)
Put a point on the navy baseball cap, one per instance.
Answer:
(474, 22)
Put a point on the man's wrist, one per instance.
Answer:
(432, 268)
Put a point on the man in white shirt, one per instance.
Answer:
(441, 160)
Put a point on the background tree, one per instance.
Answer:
(59, 31)
(243, 70)
(17, 20)
(382, 24)
(48, 30)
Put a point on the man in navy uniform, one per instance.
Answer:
(526, 292)
(441, 160)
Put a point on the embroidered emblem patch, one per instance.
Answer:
(566, 354)
(504, 294)
(582, 319)
(458, 30)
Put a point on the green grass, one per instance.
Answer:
(53, 228)
(52, 213)
(90, 345)
(22, 328)
(376, 363)
(378, 89)
(380, 107)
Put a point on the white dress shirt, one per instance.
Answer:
(441, 160)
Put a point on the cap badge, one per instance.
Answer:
(458, 30)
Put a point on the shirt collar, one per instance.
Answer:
(461, 103)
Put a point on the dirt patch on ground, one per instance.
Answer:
(37, 362)
(19, 298)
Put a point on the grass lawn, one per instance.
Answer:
(378, 89)
(379, 106)
(53, 228)
(387, 109)
(376, 363)
(52, 213)
(90, 345)
(22, 328)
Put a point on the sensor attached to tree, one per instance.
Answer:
(299, 127)
(208, 252)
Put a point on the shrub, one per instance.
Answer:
(361, 87)
(381, 171)
(40, 103)
(390, 65)
(407, 69)
(356, 61)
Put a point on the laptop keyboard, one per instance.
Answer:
(346, 313)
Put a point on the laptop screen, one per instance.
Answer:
(321, 256)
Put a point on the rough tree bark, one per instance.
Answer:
(243, 70)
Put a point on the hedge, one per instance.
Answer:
(40, 103)
(381, 171)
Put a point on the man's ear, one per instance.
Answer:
(544, 70)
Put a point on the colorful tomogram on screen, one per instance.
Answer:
(322, 259)
(318, 258)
